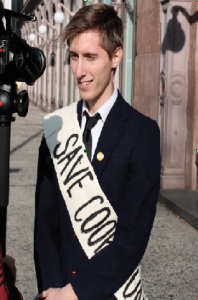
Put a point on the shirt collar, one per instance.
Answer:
(105, 108)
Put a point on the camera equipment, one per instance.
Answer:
(18, 62)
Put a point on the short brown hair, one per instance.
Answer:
(102, 18)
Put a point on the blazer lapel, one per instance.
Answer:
(112, 131)
(79, 111)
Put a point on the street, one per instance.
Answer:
(170, 264)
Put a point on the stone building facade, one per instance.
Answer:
(166, 83)
(158, 75)
(161, 80)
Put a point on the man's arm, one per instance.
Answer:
(109, 269)
(46, 235)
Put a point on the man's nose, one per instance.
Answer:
(81, 69)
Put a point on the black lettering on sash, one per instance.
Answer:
(91, 242)
(57, 156)
(139, 293)
(87, 203)
(79, 182)
(70, 156)
(68, 178)
(92, 216)
(125, 295)
(106, 241)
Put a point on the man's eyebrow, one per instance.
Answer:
(85, 54)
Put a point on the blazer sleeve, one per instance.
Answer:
(46, 229)
(110, 268)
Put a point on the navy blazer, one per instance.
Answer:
(129, 176)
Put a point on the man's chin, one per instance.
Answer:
(89, 96)
(86, 96)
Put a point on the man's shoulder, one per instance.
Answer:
(135, 116)
(141, 119)
(139, 128)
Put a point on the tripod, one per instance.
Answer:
(10, 103)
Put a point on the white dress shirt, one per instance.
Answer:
(103, 111)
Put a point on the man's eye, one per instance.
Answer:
(73, 56)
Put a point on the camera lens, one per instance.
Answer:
(37, 57)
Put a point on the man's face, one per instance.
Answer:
(92, 68)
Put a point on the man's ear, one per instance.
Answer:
(117, 57)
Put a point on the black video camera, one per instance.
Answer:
(18, 62)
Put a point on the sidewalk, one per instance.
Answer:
(170, 263)
(183, 203)
(26, 134)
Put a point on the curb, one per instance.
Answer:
(179, 210)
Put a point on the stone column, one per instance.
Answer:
(34, 86)
(40, 80)
(80, 4)
(117, 6)
(39, 91)
(50, 49)
(173, 89)
(57, 71)
(49, 76)
(30, 87)
(65, 74)
(44, 87)
(36, 44)
(192, 108)
(40, 88)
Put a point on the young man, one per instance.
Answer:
(98, 176)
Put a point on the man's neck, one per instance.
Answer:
(94, 105)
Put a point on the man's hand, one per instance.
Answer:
(66, 293)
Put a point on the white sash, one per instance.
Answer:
(92, 216)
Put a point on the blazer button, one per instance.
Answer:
(75, 235)
(73, 273)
